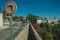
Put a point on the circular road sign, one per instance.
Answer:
(10, 7)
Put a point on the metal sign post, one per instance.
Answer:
(11, 29)
(10, 8)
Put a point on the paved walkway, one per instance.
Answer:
(3, 27)
(23, 34)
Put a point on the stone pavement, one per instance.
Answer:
(23, 34)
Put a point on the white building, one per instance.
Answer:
(49, 21)
(52, 20)
(1, 19)
(42, 20)
(39, 21)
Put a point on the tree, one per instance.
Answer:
(58, 21)
(4, 15)
(0, 9)
(16, 18)
(46, 31)
(56, 31)
(32, 18)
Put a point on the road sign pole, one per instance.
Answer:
(11, 28)
(12, 8)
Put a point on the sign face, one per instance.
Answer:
(10, 7)
(1, 20)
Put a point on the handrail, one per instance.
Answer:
(36, 34)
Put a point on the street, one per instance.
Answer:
(5, 33)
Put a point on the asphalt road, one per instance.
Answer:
(5, 33)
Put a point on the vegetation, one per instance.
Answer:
(56, 31)
(17, 18)
(4, 14)
(32, 18)
(49, 32)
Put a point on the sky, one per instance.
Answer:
(43, 8)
